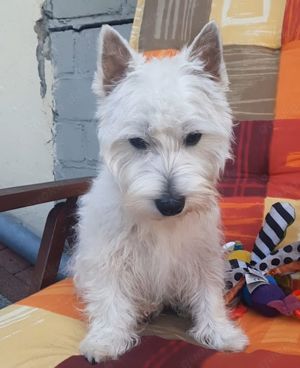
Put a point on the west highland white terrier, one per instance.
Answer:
(149, 228)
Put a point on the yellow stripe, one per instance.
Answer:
(136, 27)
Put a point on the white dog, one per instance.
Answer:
(149, 228)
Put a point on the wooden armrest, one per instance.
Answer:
(60, 221)
(29, 195)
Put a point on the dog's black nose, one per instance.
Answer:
(170, 205)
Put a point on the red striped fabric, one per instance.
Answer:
(291, 22)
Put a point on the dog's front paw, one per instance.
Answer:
(222, 337)
(97, 349)
(93, 351)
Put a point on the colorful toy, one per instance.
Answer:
(249, 275)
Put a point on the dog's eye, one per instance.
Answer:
(138, 143)
(192, 139)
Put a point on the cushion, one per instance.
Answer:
(45, 330)
(262, 53)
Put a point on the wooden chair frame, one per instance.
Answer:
(59, 223)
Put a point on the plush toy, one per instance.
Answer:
(248, 274)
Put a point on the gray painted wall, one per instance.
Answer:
(73, 27)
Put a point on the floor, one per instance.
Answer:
(15, 274)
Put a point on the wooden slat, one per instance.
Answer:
(29, 195)
(57, 227)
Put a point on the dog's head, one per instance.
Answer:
(165, 124)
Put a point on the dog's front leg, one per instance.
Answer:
(112, 324)
(212, 327)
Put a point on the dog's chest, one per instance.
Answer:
(167, 267)
(168, 260)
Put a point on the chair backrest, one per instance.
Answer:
(262, 52)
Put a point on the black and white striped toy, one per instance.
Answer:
(266, 254)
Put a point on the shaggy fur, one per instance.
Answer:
(130, 259)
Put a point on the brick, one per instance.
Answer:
(25, 276)
(124, 30)
(86, 47)
(69, 141)
(12, 262)
(130, 6)
(11, 287)
(62, 50)
(63, 172)
(86, 50)
(74, 56)
(80, 8)
(92, 145)
(74, 99)
(68, 164)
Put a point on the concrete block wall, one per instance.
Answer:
(73, 27)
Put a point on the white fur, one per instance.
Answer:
(130, 260)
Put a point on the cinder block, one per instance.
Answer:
(86, 50)
(80, 8)
(61, 171)
(86, 47)
(91, 141)
(124, 30)
(130, 6)
(62, 50)
(69, 141)
(74, 99)
(74, 57)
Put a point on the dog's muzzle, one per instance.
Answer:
(169, 205)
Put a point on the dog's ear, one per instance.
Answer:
(207, 47)
(115, 57)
